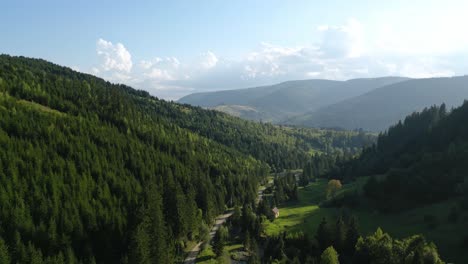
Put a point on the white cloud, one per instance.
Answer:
(144, 64)
(342, 52)
(115, 57)
(208, 60)
(159, 74)
(343, 41)
(273, 61)
(95, 71)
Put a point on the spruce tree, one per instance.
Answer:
(340, 235)
(4, 255)
(324, 235)
(352, 236)
(329, 256)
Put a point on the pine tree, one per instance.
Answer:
(329, 256)
(247, 241)
(352, 236)
(4, 255)
(219, 241)
(152, 241)
(236, 216)
(324, 235)
(340, 235)
(303, 180)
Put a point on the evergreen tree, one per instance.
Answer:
(236, 216)
(247, 241)
(340, 235)
(219, 241)
(78, 155)
(303, 179)
(4, 255)
(152, 241)
(324, 235)
(329, 256)
(352, 236)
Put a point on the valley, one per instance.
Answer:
(304, 216)
(137, 179)
(233, 132)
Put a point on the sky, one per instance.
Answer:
(174, 48)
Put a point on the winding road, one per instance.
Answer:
(220, 220)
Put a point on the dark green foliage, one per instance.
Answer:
(89, 169)
(274, 248)
(152, 240)
(304, 177)
(285, 188)
(4, 255)
(324, 235)
(453, 215)
(329, 256)
(431, 221)
(85, 165)
(423, 160)
(219, 240)
(331, 166)
(352, 236)
(264, 208)
(380, 248)
(236, 217)
(247, 241)
(340, 235)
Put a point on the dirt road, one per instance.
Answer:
(220, 220)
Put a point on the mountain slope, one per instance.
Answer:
(277, 102)
(417, 169)
(378, 109)
(88, 171)
(97, 172)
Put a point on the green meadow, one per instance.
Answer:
(207, 256)
(305, 215)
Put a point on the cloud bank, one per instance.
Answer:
(342, 52)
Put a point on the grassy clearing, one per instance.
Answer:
(39, 107)
(207, 256)
(305, 216)
(29, 105)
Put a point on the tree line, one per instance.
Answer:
(341, 242)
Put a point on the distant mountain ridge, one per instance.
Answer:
(275, 103)
(384, 106)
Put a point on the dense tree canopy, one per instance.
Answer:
(97, 172)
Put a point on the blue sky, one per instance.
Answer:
(172, 48)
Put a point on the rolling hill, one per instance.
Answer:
(281, 101)
(382, 107)
(95, 172)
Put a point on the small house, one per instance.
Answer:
(275, 212)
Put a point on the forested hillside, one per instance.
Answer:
(96, 172)
(423, 159)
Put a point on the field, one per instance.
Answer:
(305, 216)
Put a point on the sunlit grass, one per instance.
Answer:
(306, 214)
